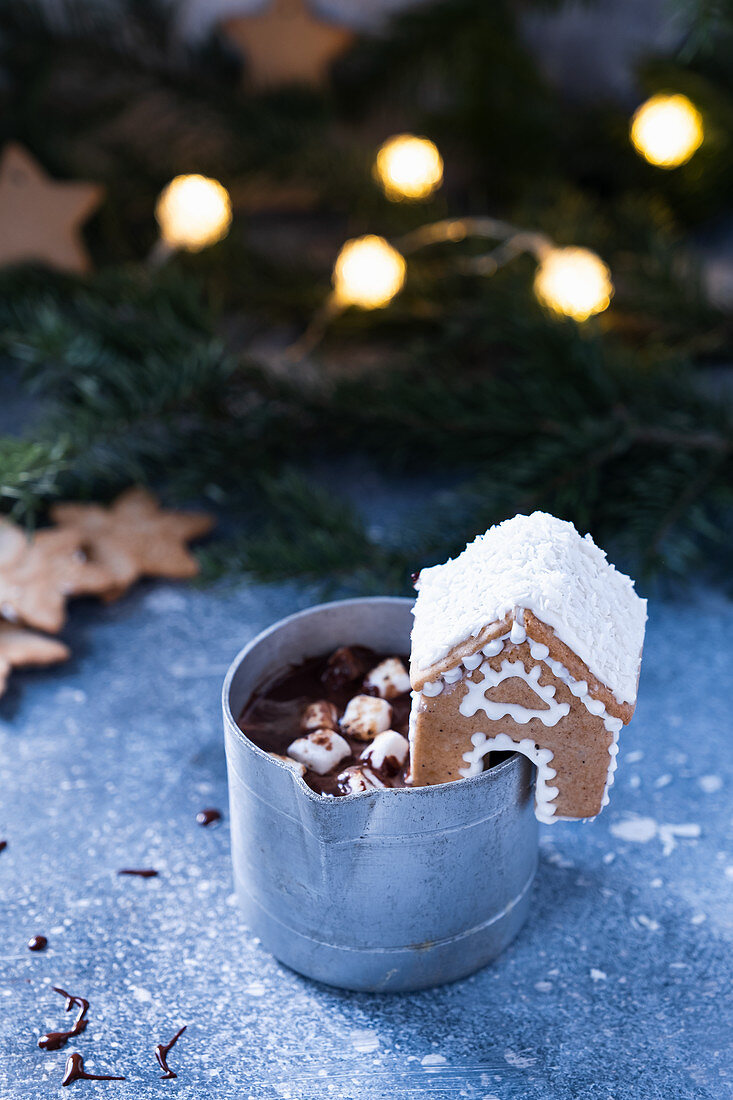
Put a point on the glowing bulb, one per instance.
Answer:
(368, 272)
(193, 212)
(667, 130)
(409, 167)
(574, 282)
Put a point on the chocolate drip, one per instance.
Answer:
(145, 872)
(207, 817)
(161, 1053)
(37, 943)
(74, 1071)
(54, 1040)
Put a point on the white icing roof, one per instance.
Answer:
(542, 564)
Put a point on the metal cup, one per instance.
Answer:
(390, 890)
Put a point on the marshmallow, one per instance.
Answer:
(388, 749)
(389, 679)
(293, 764)
(321, 750)
(366, 716)
(320, 716)
(355, 780)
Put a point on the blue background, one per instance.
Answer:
(615, 989)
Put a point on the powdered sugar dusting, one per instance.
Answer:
(542, 564)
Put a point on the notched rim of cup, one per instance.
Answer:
(300, 783)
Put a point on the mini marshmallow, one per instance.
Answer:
(320, 716)
(321, 751)
(388, 749)
(366, 716)
(293, 764)
(389, 679)
(355, 780)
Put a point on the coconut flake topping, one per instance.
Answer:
(541, 564)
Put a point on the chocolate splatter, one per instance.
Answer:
(37, 943)
(161, 1053)
(207, 817)
(145, 872)
(3, 845)
(54, 1040)
(74, 1071)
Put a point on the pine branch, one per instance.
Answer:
(30, 473)
(302, 531)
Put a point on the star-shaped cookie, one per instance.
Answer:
(40, 218)
(38, 575)
(20, 648)
(135, 537)
(285, 43)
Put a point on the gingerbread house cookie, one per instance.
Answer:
(529, 641)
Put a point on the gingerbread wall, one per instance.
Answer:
(579, 741)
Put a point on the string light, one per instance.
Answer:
(368, 273)
(573, 282)
(193, 212)
(408, 167)
(667, 130)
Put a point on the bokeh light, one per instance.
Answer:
(193, 212)
(368, 273)
(573, 282)
(409, 167)
(667, 130)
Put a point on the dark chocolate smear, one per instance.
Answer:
(54, 1040)
(162, 1051)
(143, 872)
(75, 1071)
(3, 845)
(37, 943)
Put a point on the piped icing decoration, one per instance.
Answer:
(518, 634)
(501, 742)
(475, 698)
(544, 792)
(540, 564)
(549, 716)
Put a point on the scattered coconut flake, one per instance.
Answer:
(433, 1061)
(541, 564)
(639, 829)
(521, 1059)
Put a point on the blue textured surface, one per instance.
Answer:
(616, 988)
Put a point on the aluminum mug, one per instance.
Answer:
(390, 890)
